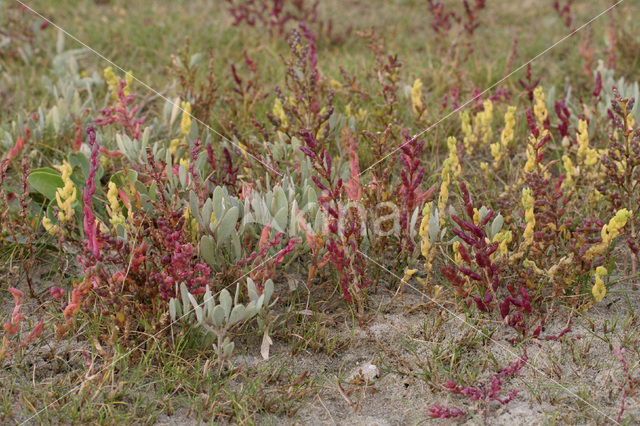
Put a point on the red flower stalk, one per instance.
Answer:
(89, 220)
(123, 113)
(11, 326)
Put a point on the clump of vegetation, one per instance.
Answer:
(310, 185)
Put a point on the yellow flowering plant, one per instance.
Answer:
(65, 198)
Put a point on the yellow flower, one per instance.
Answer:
(453, 156)
(438, 290)
(583, 138)
(612, 229)
(592, 157)
(425, 241)
(444, 188)
(532, 265)
(599, 290)
(173, 147)
(571, 171)
(509, 125)
(278, 112)
(503, 237)
(540, 107)
(66, 195)
(457, 257)
(416, 97)
(476, 216)
(185, 124)
(114, 209)
(609, 232)
(498, 149)
(49, 226)
(588, 155)
(408, 273)
(114, 82)
(529, 216)
(531, 155)
(470, 138)
(484, 119)
(426, 248)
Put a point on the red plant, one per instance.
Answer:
(11, 327)
(486, 393)
(484, 273)
(564, 11)
(124, 113)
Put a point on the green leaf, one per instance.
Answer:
(185, 298)
(252, 290)
(225, 302)
(267, 291)
(78, 159)
(280, 219)
(197, 308)
(227, 225)
(434, 226)
(237, 314)
(209, 301)
(496, 225)
(227, 349)
(217, 200)
(173, 308)
(46, 181)
(195, 209)
(207, 250)
(279, 200)
(218, 316)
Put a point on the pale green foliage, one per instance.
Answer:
(221, 318)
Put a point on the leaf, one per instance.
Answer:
(237, 314)
(266, 344)
(496, 225)
(268, 291)
(251, 310)
(182, 175)
(280, 219)
(209, 302)
(185, 298)
(197, 308)
(226, 302)
(252, 290)
(195, 59)
(227, 349)
(227, 225)
(218, 316)
(46, 181)
(279, 200)
(434, 226)
(173, 309)
(207, 250)
(483, 212)
(216, 201)
(195, 208)
(78, 159)
(414, 221)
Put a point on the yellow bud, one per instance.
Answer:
(185, 124)
(416, 96)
